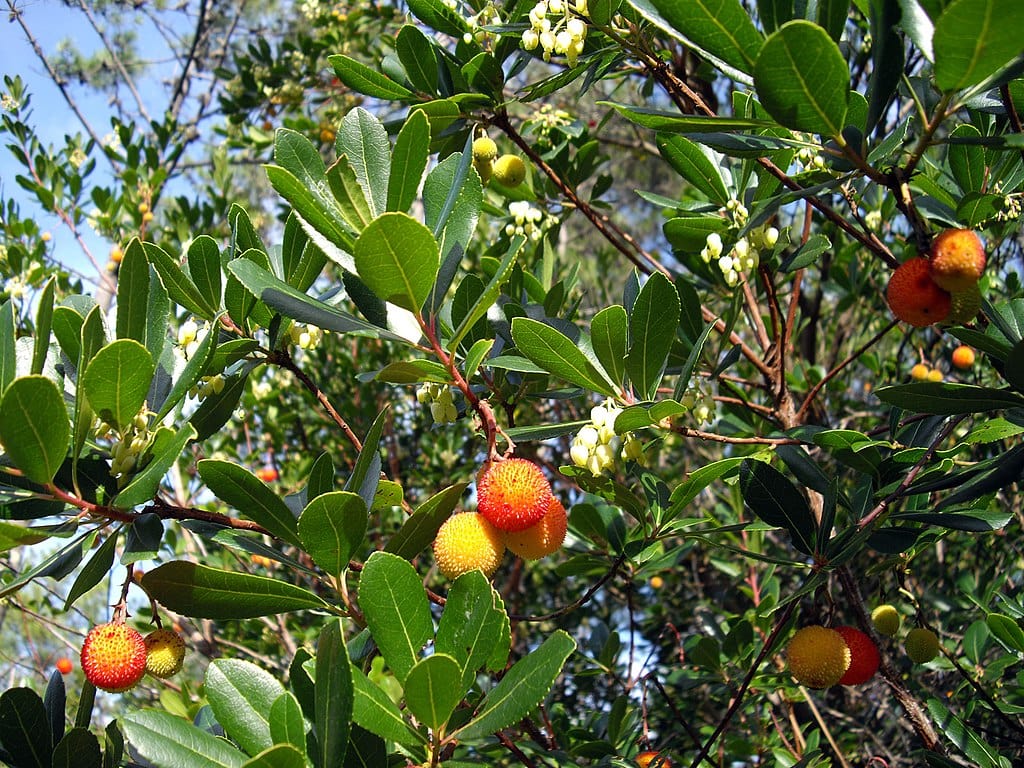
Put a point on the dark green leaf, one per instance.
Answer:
(331, 527)
(44, 325)
(695, 164)
(95, 570)
(8, 334)
(117, 381)
(238, 487)
(374, 711)
(433, 689)
(34, 428)
(947, 399)
(366, 473)
(24, 728)
(558, 354)
(470, 627)
(966, 161)
(980, 753)
(363, 139)
(652, 326)
(418, 59)
(166, 449)
(278, 756)
(478, 310)
(975, 38)
(241, 695)
(334, 694)
(361, 79)
(196, 590)
(722, 28)
(673, 122)
(178, 285)
(609, 336)
(776, 501)
(286, 723)
(409, 158)
(1007, 631)
(397, 258)
(203, 263)
(78, 749)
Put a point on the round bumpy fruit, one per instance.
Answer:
(652, 759)
(964, 306)
(509, 170)
(922, 645)
(864, 657)
(484, 149)
(957, 259)
(543, 538)
(914, 297)
(165, 652)
(886, 620)
(935, 375)
(818, 656)
(267, 474)
(114, 657)
(467, 542)
(963, 358)
(513, 494)
(919, 372)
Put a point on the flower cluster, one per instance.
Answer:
(744, 255)
(128, 444)
(442, 406)
(488, 15)
(700, 404)
(595, 445)
(9, 103)
(206, 386)
(526, 220)
(305, 336)
(556, 29)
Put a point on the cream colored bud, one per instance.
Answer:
(579, 454)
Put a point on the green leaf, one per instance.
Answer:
(673, 122)
(409, 159)
(975, 38)
(609, 335)
(361, 79)
(1007, 631)
(334, 694)
(95, 570)
(365, 475)
(722, 28)
(286, 723)
(422, 525)
(437, 16)
(967, 161)
(365, 749)
(418, 59)
(397, 258)
(167, 448)
(79, 748)
(947, 399)
(208, 593)
(217, 409)
(364, 140)
(166, 740)
(558, 354)
(238, 487)
(774, 499)
(452, 198)
(374, 711)
(191, 373)
(117, 381)
(477, 354)
(695, 164)
(241, 695)
(489, 294)
(203, 263)
(331, 527)
(8, 334)
(802, 79)
(470, 626)
(522, 688)
(177, 283)
(298, 306)
(44, 325)
(980, 753)
(34, 428)
(349, 194)
(24, 728)
(690, 233)
(652, 329)
(397, 613)
(278, 756)
(433, 689)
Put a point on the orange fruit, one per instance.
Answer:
(64, 665)
(113, 657)
(957, 259)
(919, 372)
(543, 538)
(513, 494)
(652, 759)
(963, 357)
(914, 297)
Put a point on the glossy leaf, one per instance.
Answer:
(79, 748)
(609, 334)
(8, 334)
(522, 688)
(395, 604)
(774, 499)
(365, 475)
(408, 160)
(490, 293)
(397, 258)
(673, 122)
(433, 689)
(1007, 631)
(238, 487)
(24, 728)
(203, 263)
(470, 626)
(95, 570)
(177, 283)
(331, 527)
(374, 711)
(558, 354)
(191, 373)
(452, 198)
(947, 399)
(722, 28)
(286, 723)
(278, 756)
(166, 740)
(418, 59)
(34, 427)
(363, 139)
(421, 527)
(241, 696)
(361, 79)
(652, 326)
(802, 79)
(334, 694)
(694, 163)
(208, 593)
(975, 38)
(117, 381)
(44, 326)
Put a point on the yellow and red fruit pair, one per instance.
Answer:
(820, 657)
(115, 656)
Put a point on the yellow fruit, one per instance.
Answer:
(116, 254)
(934, 375)
(484, 149)
(327, 135)
(964, 305)
(922, 645)
(513, 494)
(466, 542)
(484, 168)
(818, 657)
(919, 372)
(113, 657)
(652, 759)
(165, 652)
(914, 297)
(543, 538)
(957, 259)
(886, 620)
(963, 358)
(509, 170)
(657, 582)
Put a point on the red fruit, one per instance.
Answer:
(114, 657)
(64, 665)
(266, 474)
(513, 494)
(652, 759)
(864, 658)
(914, 297)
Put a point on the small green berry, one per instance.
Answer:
(886, 620)
(922, 645)
(484, 149)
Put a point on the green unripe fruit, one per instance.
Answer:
(509, 170)
(484, 149)
(484, 169)
(886, 620)
(964, 306)
(922, 645)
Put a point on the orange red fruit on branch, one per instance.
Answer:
(114, 657)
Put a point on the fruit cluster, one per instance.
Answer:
(820, 657)
(115, 656)
(516, 510)
(942, 287)
(921, 644)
